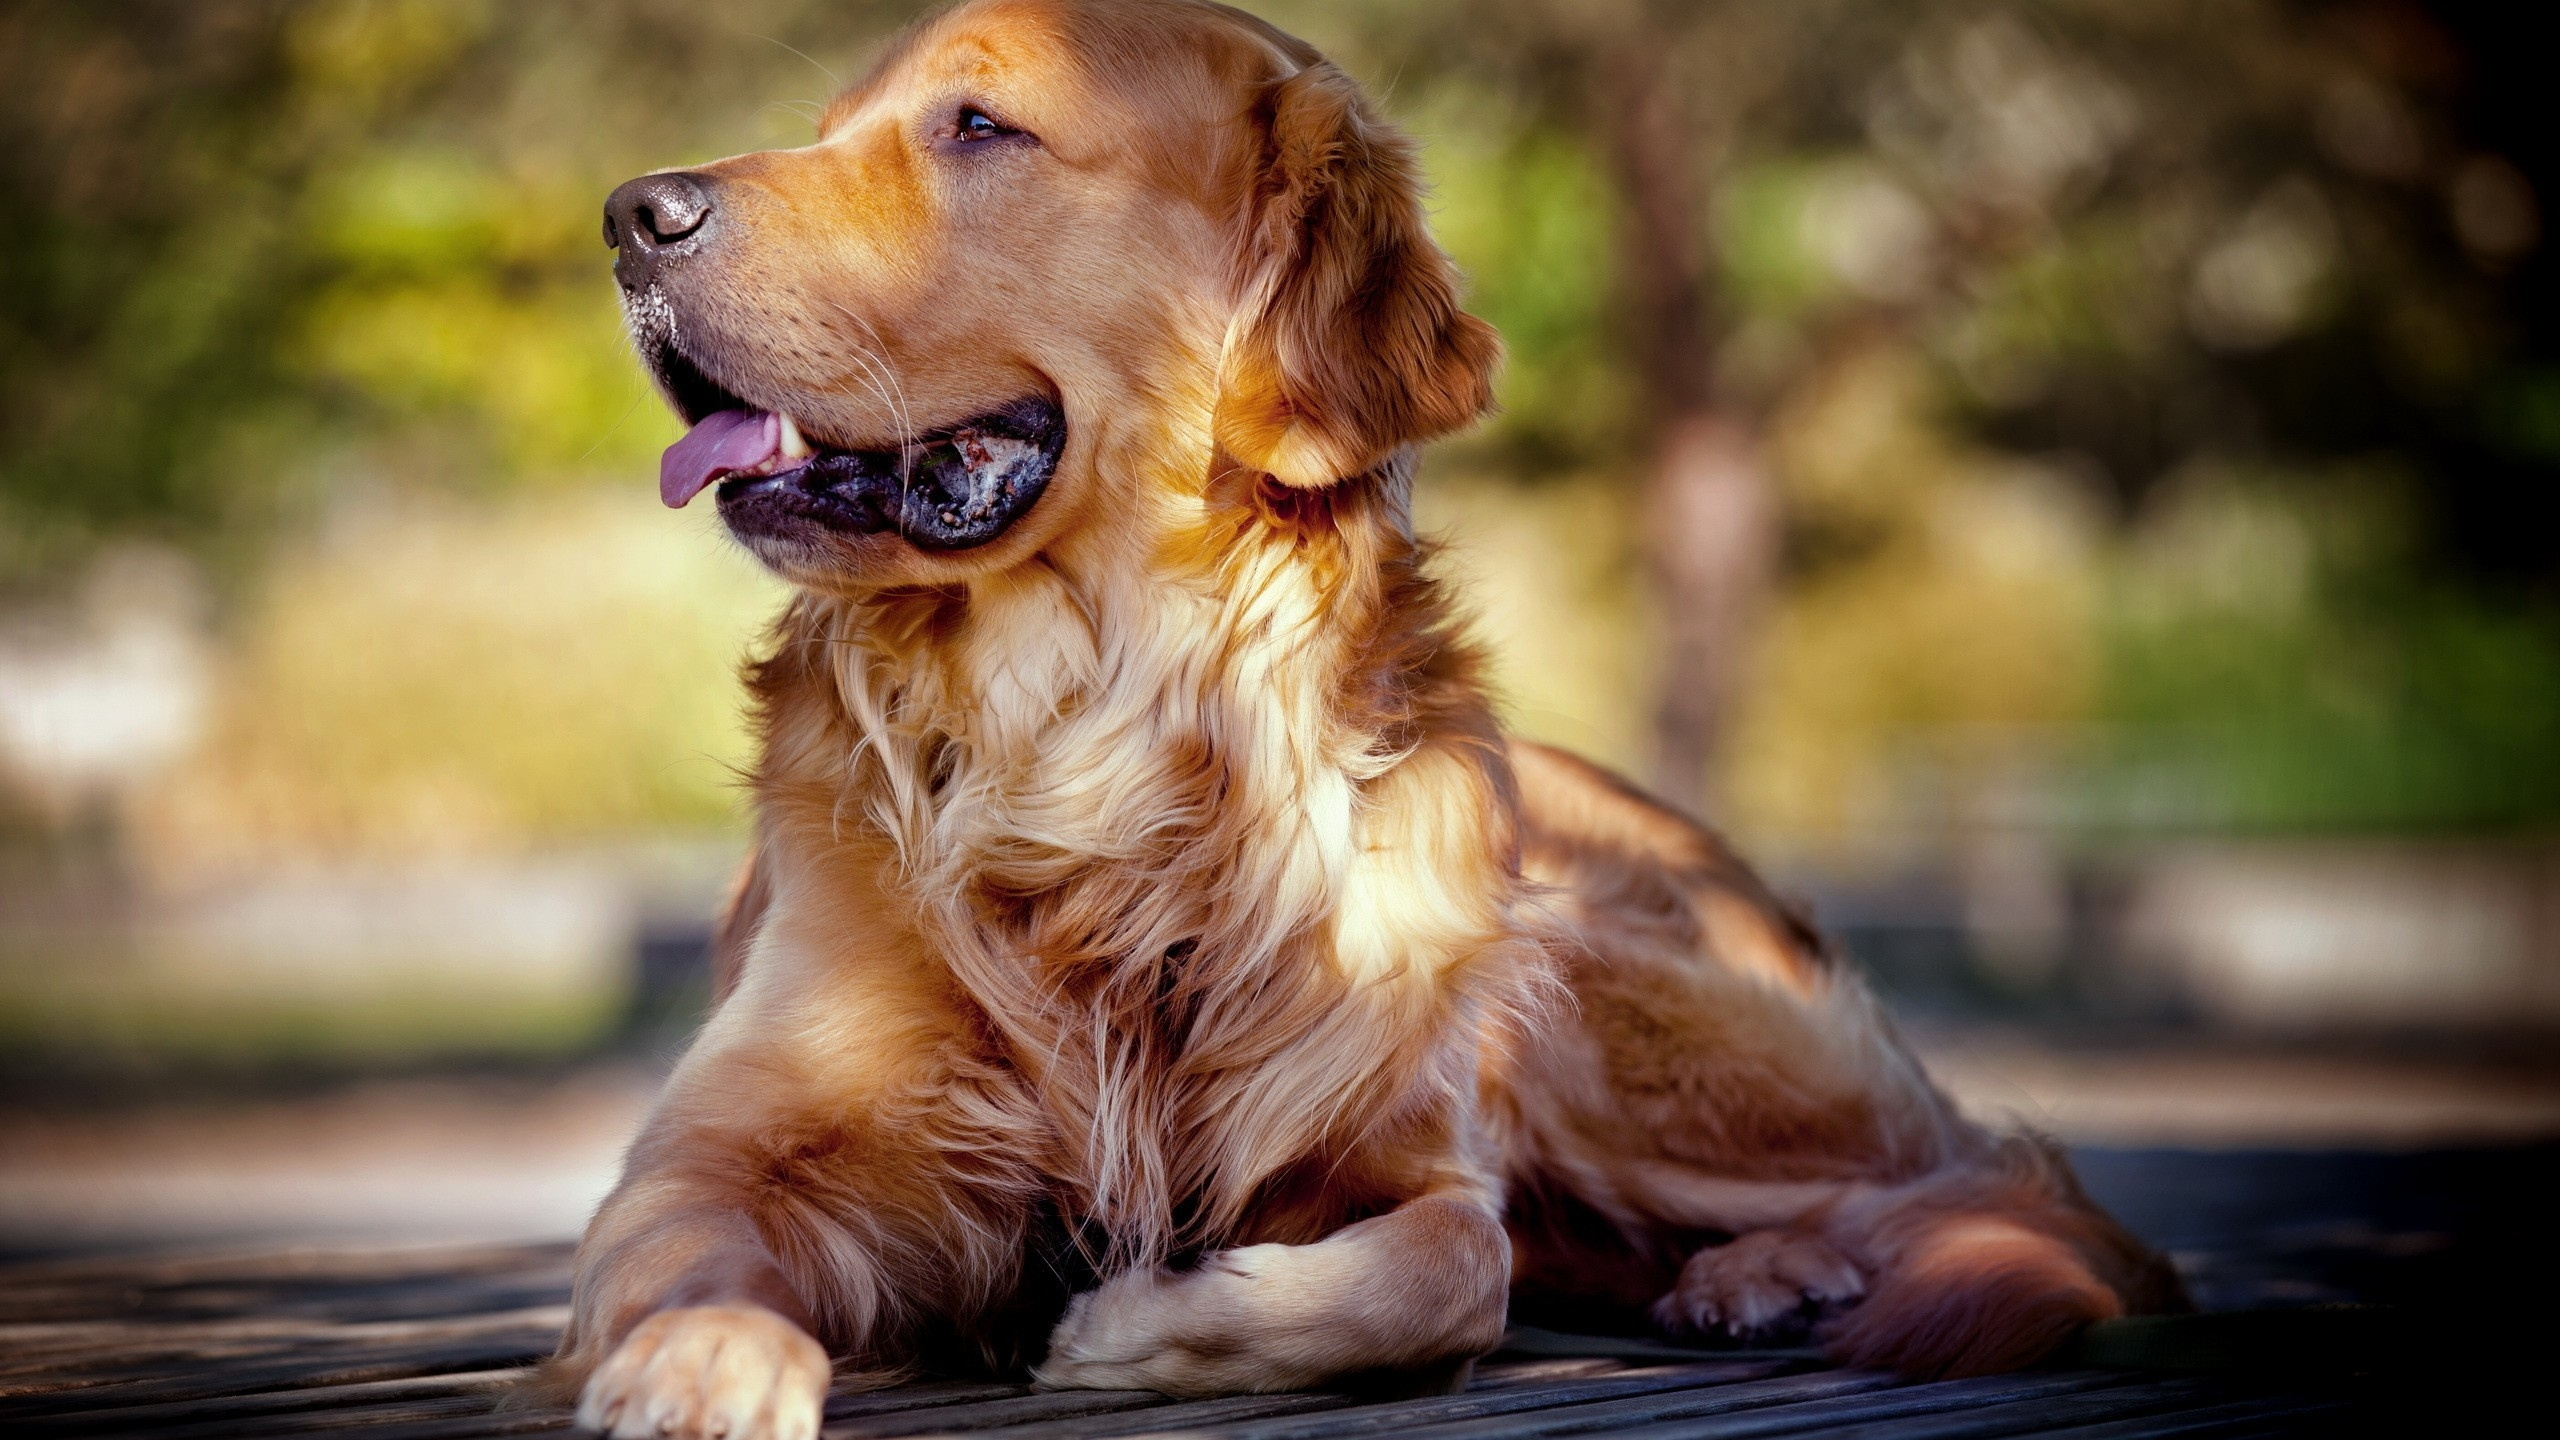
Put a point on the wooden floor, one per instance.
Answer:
(419, 1345)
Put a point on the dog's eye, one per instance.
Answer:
(977, 124)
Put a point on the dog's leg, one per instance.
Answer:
(706, 1282)
(1406, 1300)
(827, 1165)
(686, 1325)
(1984, 1264)
(1756, 1281)
(1779, 1263)
(763, 1210)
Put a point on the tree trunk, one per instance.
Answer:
(1710, 515)
(1711, 522)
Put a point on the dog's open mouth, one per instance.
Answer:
(946, 489)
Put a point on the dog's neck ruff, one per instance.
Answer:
(1125, 807)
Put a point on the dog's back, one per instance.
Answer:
(1724, 1078)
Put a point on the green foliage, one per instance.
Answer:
(561, 672)
(2135, 248)
(139, 298)
(265, 245)
(2274, 662)
(272, 256)
(1521, 210)
(1767, 267)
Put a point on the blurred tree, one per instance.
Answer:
(256, 236)
(1654, 96)
(148, 153)
(289, 276)
(271, 251)
(2130, 240)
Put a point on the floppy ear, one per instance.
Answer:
(1350, 342)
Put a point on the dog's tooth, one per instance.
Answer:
(794, 446)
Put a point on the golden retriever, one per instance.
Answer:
(1155, 966)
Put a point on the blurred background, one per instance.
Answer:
(2073, 487)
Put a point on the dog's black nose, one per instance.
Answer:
(645, 216)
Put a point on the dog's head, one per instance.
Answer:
(1043, 266)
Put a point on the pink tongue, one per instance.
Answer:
(723, 444)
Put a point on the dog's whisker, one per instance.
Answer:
(832, 78)
(876, 354)
(894, 397)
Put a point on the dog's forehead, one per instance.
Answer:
(1077, 59)
(989, 59)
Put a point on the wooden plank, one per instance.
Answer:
(280, 1366)
(916, 1397)
(335, 1419)
(260, 1327)
(275, 1282)
(1201, 1415)
(421, 1345)
(477, 1353)
(131, 1419)
(544, 1422)
(142, 1360)
(1529, 1340)
(268, 1311)
(1981, 1410)
(1585, 1418)
(359, 1404)
(1712, 1418)
(986, 1414)
(177, 1362)
(2275, 1415)
(81, 1354)
(1404, 1416)
(1493, 1375)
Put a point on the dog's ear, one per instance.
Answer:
(1350, 342)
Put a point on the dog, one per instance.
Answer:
(1155, 966)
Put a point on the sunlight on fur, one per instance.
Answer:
(1155, 966)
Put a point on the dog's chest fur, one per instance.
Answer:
(1135, 822)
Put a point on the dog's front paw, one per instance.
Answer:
(1180, 1332)
(710, 1372)
(1757, 1281)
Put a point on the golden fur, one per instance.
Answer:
(1145, 905)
